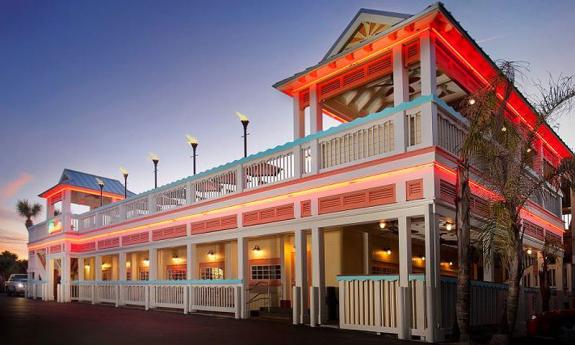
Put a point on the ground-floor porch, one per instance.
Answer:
(384, 270)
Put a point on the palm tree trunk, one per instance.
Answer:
(29, 223)
(463, 244)
(515, 274)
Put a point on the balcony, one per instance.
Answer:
(395, 130)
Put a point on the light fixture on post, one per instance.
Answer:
(101, 185)
(245, 121)
(124, 172)
(155, 159)
(194, 144)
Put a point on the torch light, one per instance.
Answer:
(124, 172)
(101, 185)
(245, 121)
(155, 159)
(194, 144)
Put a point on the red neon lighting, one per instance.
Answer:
(54, 191)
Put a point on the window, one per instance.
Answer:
(210, 273)
(107, 275)
(266, 272)
(144, 275)
(414, 128)
(176, 274)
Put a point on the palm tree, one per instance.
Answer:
(28, 211)
(504, 152)
(505, 155)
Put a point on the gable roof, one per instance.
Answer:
(385, 20)
(81, 179)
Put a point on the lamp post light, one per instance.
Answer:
(101, 184)
(245, 121)
(124, 172)
(194, 144)
(155, 159)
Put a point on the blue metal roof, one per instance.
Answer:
(85, 180)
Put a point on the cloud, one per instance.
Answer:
(13, 187)
(492, 38)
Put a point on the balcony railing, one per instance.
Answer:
(391, 131)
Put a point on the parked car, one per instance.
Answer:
(559, 324)
(16, 284)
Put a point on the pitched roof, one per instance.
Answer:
(364, 16)
(85, 180)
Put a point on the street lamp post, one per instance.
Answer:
(101, 185)
(194, 144)
(124, 172)
(245, 121)
(155, 159)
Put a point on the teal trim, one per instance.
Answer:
(331, 131)
(386, 277)
(159, 282)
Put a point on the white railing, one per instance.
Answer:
(111, 216)
(368, 138)
(171, 198)
(216, 185)
(137, 207)
(357, 144)
(450, 133)
(272, 169)
(37, 289)
(189, 295)
(371, 303)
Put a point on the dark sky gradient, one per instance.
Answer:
(93, 85)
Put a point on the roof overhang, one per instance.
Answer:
(59, 188)
(442, 26)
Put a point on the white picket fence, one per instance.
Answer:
(371, 303)
(37, 289)
(197, 295)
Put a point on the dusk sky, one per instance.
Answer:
(95, 85)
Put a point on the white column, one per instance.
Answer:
(400, 95)
(243, 274)
(300, 242)
(191, 262)
(65, 263)
(122, 266)
(400, 77)
(298, 118)
(405, 264)
(318, 308)
(315, 113)
(428, 66)
(366, 253)
(153, 259)
(65, 217)
(432, 276)
(98, 268)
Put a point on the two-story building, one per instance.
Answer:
(351, 225)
